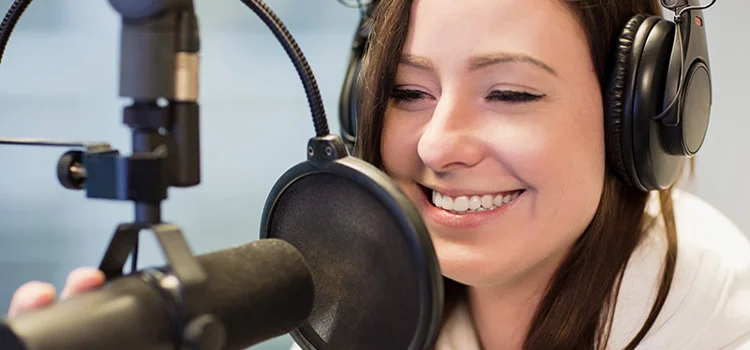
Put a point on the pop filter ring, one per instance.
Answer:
(328, 155)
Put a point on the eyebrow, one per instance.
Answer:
(417, 62)
(479, 62)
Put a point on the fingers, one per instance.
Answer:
(31, 295)
(35, 294)
(82, 279)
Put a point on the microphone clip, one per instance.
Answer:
(183, 286)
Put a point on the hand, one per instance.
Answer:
(35, 294)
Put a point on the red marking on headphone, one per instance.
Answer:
(698, 21)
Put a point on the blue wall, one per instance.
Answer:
(58, 79)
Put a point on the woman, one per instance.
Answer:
(490, 116)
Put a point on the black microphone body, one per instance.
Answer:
(257, 291)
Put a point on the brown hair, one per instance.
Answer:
(578, 306)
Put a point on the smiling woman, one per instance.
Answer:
(493, 117)
(510, 126)
(489, 111)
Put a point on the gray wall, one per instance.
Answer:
(59, 80)
(723, 165)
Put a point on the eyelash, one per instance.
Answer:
(508, 96)
(513, 96)
(407, 95)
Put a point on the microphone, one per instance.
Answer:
(257, 291)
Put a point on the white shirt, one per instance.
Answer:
(708, 307)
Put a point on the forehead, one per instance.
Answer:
(456, 29)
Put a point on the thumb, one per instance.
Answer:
(82, 279)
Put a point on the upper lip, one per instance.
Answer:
(464, 192)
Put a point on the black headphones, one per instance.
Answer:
(348, 95)
(657, 104)
(659, 98)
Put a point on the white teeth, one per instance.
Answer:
(446, 203)
(461, 203)
(507, 199)
(487, 201)
(498, 201)
(475, 203)
(464, 204)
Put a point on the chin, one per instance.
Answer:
(476, 249)
(484, 266)
(472, 267)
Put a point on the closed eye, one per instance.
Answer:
(407, 95)
(511, 96)
(411, 99)
(404, 96)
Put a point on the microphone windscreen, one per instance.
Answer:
(377, 284)
(258, 290)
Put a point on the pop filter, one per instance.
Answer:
(377, 280)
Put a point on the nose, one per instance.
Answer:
(450, 140)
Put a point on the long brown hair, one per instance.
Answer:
(578, 305)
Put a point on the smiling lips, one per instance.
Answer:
(473, 203)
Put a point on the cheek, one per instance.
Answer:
(577, 154)
(566, 154)
(552, 150)
(570, 165)
(560, 156)
(398, 146)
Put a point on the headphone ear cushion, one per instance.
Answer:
(617, 96)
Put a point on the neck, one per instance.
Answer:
(502, 314)
(502, 317)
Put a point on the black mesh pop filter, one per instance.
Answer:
(377, 280)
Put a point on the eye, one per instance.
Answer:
(407, 95)
(511, 96)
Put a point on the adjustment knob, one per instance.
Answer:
(70, 170)
(205, 333)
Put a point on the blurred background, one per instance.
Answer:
(59, 80)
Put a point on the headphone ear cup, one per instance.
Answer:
(618, 95)
(644, 69)
(348, 104)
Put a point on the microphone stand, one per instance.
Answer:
(159, 73)
(159, 65)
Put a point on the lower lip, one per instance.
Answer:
(448, 219)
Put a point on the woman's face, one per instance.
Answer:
(495, 132)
